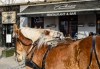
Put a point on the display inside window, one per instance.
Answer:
(51, 25)
(91, 24)
(81, 25)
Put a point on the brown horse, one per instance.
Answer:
(63, 56)
(23, 43)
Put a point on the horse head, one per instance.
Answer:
(47, 40)
(35, 34)
(32, 33)
(20, 41)
(56, 34)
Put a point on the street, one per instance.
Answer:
(9, 62)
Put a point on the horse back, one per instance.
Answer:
(84, 49)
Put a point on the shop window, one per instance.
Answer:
(37, 22)
(91, 24)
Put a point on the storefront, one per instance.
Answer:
(67, 17)
(8, 18)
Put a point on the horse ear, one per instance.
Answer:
(40, 27)
(26, 25)
(35, 27)
(15, 27)
(46, 32)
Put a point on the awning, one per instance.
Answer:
(61, 9)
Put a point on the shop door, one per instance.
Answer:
(64, 27)
(7, 35)
(68, 25)
(0, 35)
(72, 28)
(98, 24)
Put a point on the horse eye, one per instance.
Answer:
(17, 53)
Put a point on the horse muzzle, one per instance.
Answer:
(19, 58)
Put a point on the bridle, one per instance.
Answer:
(32, 64)
(58, 37)
(15, 38)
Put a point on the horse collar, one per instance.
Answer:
(93, 50)
(32, 64)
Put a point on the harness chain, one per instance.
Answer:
(93, 50)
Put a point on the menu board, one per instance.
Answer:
(8, 38)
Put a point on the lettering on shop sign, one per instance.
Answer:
(38, 20)
(64, 6)
(61, 14)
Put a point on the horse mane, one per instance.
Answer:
(47, 40)
(69, 39)
(23, 39)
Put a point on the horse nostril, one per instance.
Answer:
(19, 60)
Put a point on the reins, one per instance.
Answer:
(22, 42)
(93, 50)
(32, 45)
(43, 61)
(32, 64)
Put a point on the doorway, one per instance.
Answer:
(98, 24)
(68, 25)
(7, 35)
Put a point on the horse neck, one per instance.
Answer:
(26, 48)
(24, 40)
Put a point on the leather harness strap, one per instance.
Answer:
(93, 50)
(32, 64)
(43, 61)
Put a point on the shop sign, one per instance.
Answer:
(64, 6)
(61, 14)
(38, 20)
(8, 17)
